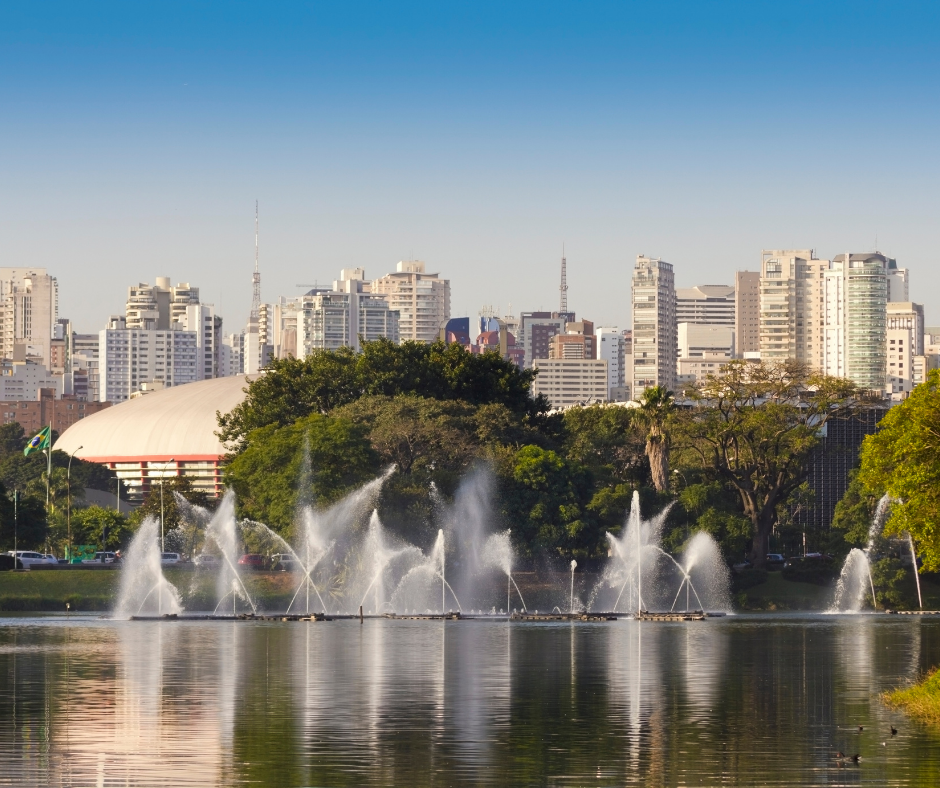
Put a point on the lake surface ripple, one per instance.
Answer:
(745, 700)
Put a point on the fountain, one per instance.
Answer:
(640, 574)
(497, 552)
(144, 590)
(222, 531)
(851, 586)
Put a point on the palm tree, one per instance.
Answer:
(656, 407)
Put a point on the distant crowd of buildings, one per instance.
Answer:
(850, 316)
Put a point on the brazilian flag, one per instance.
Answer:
(40, 441)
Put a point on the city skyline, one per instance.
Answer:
(478, 140)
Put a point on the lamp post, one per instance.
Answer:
(162, 479)
(68, 510)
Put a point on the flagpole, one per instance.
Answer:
(48, 470)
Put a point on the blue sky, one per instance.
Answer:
(476, 136)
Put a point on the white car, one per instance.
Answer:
(28, 558)
(51, 559)
(207, 561)
(170, 558)
(284, 562)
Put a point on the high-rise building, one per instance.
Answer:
(654, 325)
(160, 305)
(129, 357)
(536, 330)
(570, 381)
(905, 346)
(331, 319)
(610, 348)
(898, 283)
(578, 341)
(422, 300)
(791, 306)
(854, 300)
(29, 309)
(746, 312)
(705, 304)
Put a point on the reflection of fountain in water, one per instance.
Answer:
(642, 576)
(144, 590)
(855, 580)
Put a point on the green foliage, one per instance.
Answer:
(545, 499)
(894, 585)
(294, 388)
(267, 475)
(30, 524)
(854, 512)
(608, 441)
(90, 526)
(903, 459)
(753, 428)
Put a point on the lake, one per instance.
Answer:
(743, 700)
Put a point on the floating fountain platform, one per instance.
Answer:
(525, 616)
(678, 615)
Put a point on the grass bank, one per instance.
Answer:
(922, 701)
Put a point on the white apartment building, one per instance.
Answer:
(571, 381)
(791, 306)
(854, 300)
(232, 355)
(710, 304)
(21, 380)
(746, 312)
(422, 300)
(160, 305)
(610, 348)
(128, 357)
(654, 326)
(29, 309)
(899, 289)
(906, 361)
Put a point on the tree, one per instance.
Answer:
(414, 432)
(30, 525)
(294, 388)
(656, 409)
(754, 426)
(604, 438)
(107, 529)
(171, 512)
(545, 499)
(319, 456)
(903, 460)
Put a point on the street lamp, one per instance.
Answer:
(162, 479)
(68, 510)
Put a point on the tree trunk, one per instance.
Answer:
(658, 453)
(760, 539)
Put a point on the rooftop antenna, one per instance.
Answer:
(256, 278)
(564, 280)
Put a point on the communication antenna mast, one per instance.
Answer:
(256, 277)
(564, 281)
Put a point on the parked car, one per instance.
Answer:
(775, 561)
(103, 557)
(253, 561)
(207, 561)
(741, 566)
(170, 558)
(51, 559)
(284, 562)
(27, 557)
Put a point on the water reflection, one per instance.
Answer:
(742, 700)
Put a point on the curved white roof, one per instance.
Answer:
(177, 422)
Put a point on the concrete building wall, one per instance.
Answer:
(711, 304)
(32, 415)
(906, 361)
(747, 312)
(654, 325)
(29, 310)
(422, 300)
(570, 381)
(610, 348)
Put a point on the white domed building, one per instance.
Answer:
(163, 434)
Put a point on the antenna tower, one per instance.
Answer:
(256, 277)
(564, 281)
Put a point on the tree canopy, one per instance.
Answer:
(753, 427)
(294, 388)
(903, 460)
